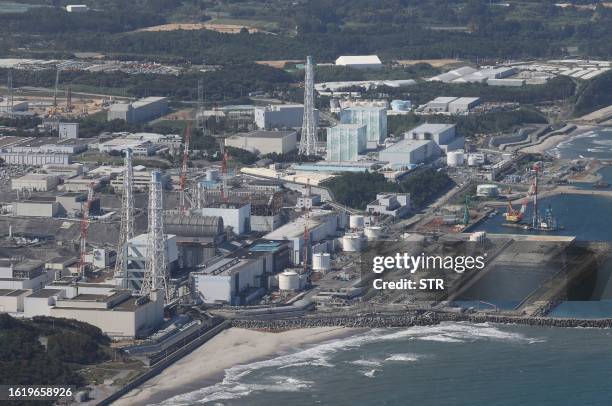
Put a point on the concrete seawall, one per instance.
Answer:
(408, 320)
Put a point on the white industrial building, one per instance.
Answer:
(140, 111)
(236, 216)
(359, 61)
(374, 118)
(36, 207)
(34, 159)
(390, 204)
(264, 142)
(444, 135)
(346, 141)
(117, 313)
(281, 116)
(68, 130)
(11, 300)
(18, 274)
(321, 224)
(141, 178)
(409, 152)
(451, 105)
(39, 182)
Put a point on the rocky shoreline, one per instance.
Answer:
(408, 320)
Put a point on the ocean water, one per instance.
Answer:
(593, 144)
(589, 218)
(447, 364)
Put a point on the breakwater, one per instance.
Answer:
(381, 320)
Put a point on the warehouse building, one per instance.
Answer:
(140, 111)
(264, 142)
(409, 152)
(463, 105)
(281, 116)
(34, 159)
(345, 142)
(374, 118)
(359, 61)
(443, 135)
(36, 182)
(51, 145)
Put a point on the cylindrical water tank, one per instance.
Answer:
(356, 221)
(373, 232)
(352, 242)
(289, 280)
(454, 158)
(212, 175)
(321, 261)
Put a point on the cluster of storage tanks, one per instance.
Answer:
(356, 239)
(460, 158)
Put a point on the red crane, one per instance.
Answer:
(183, 177)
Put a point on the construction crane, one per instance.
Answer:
(85, 228)
(69, 100)
(183, 177)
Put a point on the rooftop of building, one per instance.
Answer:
(264, 134)
(443, 99)
(43, 293)
(358, 59)
(36, 176)
(12, 292)
(432, 128)
(406, 145)
(465, 100)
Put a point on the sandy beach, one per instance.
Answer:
(234, 346)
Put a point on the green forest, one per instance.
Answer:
(356, 190)
(47, 350)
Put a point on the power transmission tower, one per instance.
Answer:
(127, 221)
(308, 142)
(156, 264)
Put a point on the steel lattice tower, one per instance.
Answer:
(9, 87)
(156, 264)
(308, 142)
(127, 221)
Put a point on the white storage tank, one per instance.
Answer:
(373, 232)
(353, 242)
(356, 221)
(321, 262)
(289, 280)
(454, 158)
